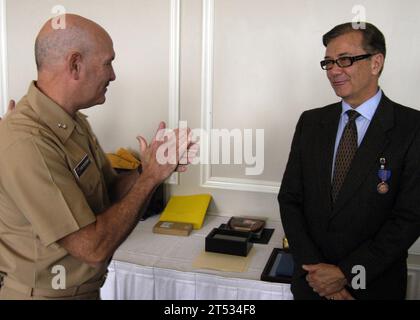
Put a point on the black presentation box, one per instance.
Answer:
(229, 242)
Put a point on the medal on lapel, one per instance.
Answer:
(384, 175)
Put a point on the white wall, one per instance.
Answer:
(3, 59)
(243, 64)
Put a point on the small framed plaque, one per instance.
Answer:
(279, 267)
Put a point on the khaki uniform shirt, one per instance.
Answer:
(53, 182)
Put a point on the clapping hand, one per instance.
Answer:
(10, 108)
(169, 151)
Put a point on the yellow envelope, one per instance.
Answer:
(187, 209)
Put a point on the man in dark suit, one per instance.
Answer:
(350, 195)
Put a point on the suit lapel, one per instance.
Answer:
(328, 132)
(368, 153)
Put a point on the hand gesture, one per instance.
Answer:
(165, 152)
(10, 108)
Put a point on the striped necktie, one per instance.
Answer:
(345, 153)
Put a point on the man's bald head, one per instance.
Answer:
(74, 63)
(79, 35)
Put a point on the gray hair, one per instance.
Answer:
(51, 48)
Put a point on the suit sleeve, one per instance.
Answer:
(400, 230)
(291, 199)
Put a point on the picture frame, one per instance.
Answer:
(269, 272)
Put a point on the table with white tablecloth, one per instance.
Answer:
(151, 266)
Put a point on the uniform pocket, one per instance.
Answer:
(88, 179)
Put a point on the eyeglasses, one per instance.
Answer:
(343, 62)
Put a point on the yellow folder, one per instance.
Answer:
(123, 159)
(187, 209)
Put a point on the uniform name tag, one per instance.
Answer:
(82, 166)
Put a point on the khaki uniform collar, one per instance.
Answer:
(54, 116)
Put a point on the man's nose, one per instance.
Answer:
(113, 76)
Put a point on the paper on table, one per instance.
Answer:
(223, 262)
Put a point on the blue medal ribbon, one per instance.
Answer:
(384, 175)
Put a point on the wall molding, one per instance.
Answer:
(242, 184)
(413, 289)
(206, 178)
(174, 72)
(4, 96)
(415, 248)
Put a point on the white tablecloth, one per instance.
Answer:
(151, 266)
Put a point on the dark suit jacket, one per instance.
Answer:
(364, 227)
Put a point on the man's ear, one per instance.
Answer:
(377, 63)
(75, 65)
